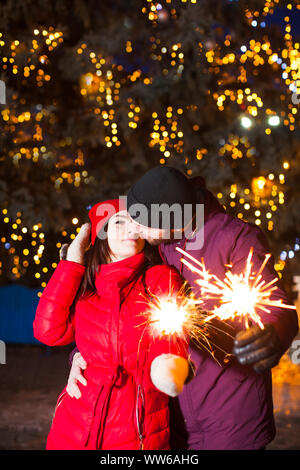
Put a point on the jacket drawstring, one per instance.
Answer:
(107, 389)
(137, 414)
(94, 412)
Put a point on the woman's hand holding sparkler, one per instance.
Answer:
(168, 319)
(258, 347)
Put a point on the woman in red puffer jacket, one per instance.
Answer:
(100, 299)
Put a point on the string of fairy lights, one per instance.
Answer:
(101, 86)
(32, 256)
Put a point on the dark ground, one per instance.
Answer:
(32, 378)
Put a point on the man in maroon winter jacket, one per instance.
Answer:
(226, 405)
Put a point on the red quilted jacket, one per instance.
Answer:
(119, 408)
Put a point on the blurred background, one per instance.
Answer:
(97, 93)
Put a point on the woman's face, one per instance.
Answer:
(123, 238)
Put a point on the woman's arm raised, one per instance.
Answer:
(53, 324)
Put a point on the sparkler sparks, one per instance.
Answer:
(168, 318)
(177, 316)
(172, 314)
(238, 295)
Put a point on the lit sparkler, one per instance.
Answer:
(172, 314)
(177, 316)
(168, 318)
(238, 295)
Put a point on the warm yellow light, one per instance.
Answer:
(168, 318)
(261, 183)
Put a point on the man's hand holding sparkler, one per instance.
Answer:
(244, 296)
(258, 347)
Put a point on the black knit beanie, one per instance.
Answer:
(161, 185)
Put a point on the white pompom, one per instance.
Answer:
(168, 373)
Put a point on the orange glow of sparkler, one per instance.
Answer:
(239, 295)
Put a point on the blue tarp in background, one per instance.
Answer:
(17, 311)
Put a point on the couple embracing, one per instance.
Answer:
(128, 389)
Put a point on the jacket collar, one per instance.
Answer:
(117, 273)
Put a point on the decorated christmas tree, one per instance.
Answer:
(99, 92)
